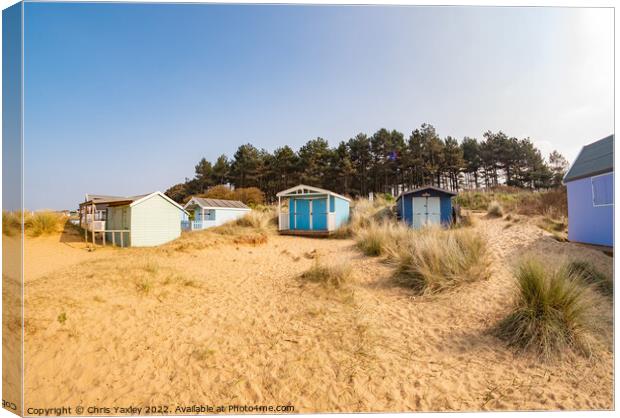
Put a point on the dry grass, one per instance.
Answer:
(553, 311)
(252, 229)
(592, 277)
(495, 209)
(11, 222)
(331, 275)
(35, 224)
(436, 259)
(523, 202)
(384, 238)
(365, 212)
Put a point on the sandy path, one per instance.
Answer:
(236, 325)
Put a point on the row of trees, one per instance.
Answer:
(385, 162)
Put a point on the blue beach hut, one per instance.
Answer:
(590, 189)
(307, 210)
(427, 205)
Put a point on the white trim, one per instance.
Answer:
(148, 196)
(592, 188)
(316, 190)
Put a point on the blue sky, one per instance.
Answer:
(125, 99)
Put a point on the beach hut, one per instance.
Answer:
(212, 212)
(134, 221)
(307, 210)
(590, 189)
(427, 205)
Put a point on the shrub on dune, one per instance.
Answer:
(10, 223)
(495, 210)
(591, 276)
(42, 223)
(328, 275)
(381, 238)
(260, 220)
(437, 259)
(553, 311)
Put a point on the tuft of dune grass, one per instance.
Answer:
(554, 311)
(586, 271)
(261, 220)
(36, 224)
(495, 210)
(11, 222)
(44, 223)
(436, 259)
(328, 275)
(383, 238)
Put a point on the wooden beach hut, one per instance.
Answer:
(312, 211)
(590, 190)
(427, 205)
(212, 212)
(135, 221)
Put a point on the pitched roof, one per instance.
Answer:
(217, 203)
(302, 189)
(122, 200)
(595, 158)
(420, 189)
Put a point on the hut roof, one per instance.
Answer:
(421, 189)
(217, 203)
(302, 189)
(124, 200)
(593, 159)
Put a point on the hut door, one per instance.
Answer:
(319, 214)
(302, 214)
(426, 211)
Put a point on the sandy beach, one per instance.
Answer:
(234, 324)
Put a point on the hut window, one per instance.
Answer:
(603, 190)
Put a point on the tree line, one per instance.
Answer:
(385, 162)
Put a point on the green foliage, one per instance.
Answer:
(553, 311)
(382, 163)
(249, 195)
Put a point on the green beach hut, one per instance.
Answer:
(135, 221)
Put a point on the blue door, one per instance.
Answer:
(302, 214)
(319, 214)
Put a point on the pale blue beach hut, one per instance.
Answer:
(312, 211)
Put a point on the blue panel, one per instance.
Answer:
(291, 212)
(302, 214)
(319, 214)
(408, 209)
(341, 208)
(588, 223)
(332, 204)
(446, 210)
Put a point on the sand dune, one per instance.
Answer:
(235, 325)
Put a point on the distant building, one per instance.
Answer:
(590, 187)
(212, 212)
(427, 205)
